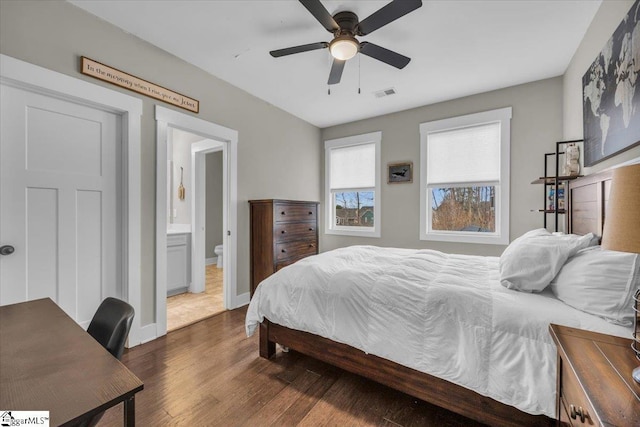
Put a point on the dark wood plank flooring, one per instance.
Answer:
(210, 374)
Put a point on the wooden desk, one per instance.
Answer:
(49, 363)
(595, 387)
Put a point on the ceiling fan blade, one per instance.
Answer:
(385, 55)
(321, 14)
(389, 13)
(336, 71)
(298, 49)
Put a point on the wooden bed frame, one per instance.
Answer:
(586, 205)
(587, 200)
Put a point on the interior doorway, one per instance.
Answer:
(205, 138)
(195, 195)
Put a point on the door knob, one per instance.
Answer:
(7, 250)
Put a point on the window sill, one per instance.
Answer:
(355, 233)
(492, 239)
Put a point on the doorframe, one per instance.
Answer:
(198, 214)
(33, 78)
(165, 119)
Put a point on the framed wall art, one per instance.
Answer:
(398, 173)
(611, 93)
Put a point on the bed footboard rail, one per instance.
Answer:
(415, 383)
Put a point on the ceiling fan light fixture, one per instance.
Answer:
(344, 47)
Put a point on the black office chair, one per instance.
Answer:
(111, 324)
(110, 327)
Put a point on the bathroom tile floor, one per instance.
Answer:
(186, 309)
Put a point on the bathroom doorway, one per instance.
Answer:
(182, 194)
(194, 288)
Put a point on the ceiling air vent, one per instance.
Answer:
(385, 92)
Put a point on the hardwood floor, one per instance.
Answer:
(210, 374)
(186, 309)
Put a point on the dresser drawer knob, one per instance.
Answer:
(310, 228)
(310, 212)
(283, 213)
(284, 251)
(283, 231)
(311, 245)
(578, 412)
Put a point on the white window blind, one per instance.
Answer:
(464, 155)
(353, 167)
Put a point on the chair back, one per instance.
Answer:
(111, 324)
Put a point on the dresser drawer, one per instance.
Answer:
(295, 231)
(574, 400)
(283, 264)
(295, 212)
(564, 420)
(299, 248)
(281, 232)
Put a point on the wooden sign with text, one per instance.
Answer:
(111, 75)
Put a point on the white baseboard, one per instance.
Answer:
(209, 261)
(148, 333)
(241, 300)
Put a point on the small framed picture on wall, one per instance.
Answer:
(399, 173)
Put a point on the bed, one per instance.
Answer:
(464, 381)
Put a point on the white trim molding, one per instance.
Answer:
(501, 235)
(17, 73)
(198, 214)
(221, 138)
(241, 300)
(330, 226)
(148, 333)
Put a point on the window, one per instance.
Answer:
(464, 178)
(352, 185)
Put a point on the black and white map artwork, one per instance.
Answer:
(611, 93)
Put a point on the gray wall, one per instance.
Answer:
(535, 126)
(213, 206)
(53, 34)
(607, 19)
(181, 156)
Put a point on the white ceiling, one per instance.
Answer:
(458, 48)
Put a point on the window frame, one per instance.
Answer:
(501, 235)
(344, 230)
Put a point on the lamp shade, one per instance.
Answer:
(344, 47)
(622, 219)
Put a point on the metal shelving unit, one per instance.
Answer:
(554, 181)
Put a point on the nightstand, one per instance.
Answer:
(594, 383)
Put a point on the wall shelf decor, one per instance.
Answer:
(554, 185)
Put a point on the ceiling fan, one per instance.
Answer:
(345, 26)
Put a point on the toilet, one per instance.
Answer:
(219, 250)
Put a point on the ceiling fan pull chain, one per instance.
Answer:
(358, 74)
(330, 60)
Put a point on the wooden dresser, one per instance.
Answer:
(594, 382)
(281, 233)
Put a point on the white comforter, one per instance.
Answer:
(446, 315)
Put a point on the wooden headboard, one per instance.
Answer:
(587, 201)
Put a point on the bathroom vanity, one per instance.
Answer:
(178, 261)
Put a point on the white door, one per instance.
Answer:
(60, 181)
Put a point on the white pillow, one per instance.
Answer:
(600, 282)
(532, 260)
